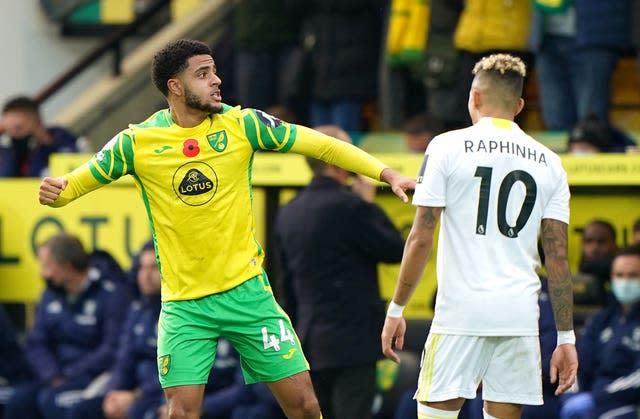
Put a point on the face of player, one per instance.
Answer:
(597, 243)
(201, 85)
(148, 274)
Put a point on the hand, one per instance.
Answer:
(364, 188)
(116, 403)
(399, 183)
(578, 406)
(564, 365)
(50, 189)
(394, 328)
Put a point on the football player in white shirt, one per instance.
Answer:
(497, 190)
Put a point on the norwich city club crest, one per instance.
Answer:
(218, 140)
(164, 364)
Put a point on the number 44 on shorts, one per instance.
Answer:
(271, 341)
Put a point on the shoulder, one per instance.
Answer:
(160, 119)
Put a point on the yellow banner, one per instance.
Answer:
(114, 219)
(603, 169)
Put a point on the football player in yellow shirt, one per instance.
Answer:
(192, 166)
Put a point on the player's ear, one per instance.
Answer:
(519, 106)
(175, 86)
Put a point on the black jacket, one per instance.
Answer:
(329, 243)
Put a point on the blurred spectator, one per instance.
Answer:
(577, 45)
(13, 367)
(342, 40)
(26, 143)
(484, 27)
(591, 283)
(75, 333)
(419, 130)
(330, 241)
(269, 60)
(609, 349)
(133, 390)
(636, 233)
(594, 135)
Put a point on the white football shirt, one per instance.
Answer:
(496, 184)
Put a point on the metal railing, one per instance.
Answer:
(113, 43)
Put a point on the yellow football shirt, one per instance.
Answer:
(196, 187)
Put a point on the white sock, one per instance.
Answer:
(426, 412)
(487, 416)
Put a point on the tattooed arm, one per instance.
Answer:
(554, 243)
(564, 361)
(417, 250)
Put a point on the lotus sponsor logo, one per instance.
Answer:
(195, 183)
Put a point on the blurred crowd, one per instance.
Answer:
(360, 65)
(368, 65)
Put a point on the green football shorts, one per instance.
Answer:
(247, 316)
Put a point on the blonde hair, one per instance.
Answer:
(501, 63)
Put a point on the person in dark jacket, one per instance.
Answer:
(75, 333)
(609, 349)
(133, 389)
(26, 143)
(330, 241)
(342, 42)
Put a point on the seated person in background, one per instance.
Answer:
(13, 367)
(593, 135)
(419, 130)
(609, 349)
(26, 143)
(598, 249)
(133, 390)
(75, 334)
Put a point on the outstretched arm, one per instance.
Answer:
(349, 157)
(417, 250)
(564, 361)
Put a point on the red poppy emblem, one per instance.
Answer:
(190, 148)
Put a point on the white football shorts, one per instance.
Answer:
(508, 367)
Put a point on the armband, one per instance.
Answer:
(566, 336)
(395, 310)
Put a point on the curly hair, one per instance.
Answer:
(172, 59)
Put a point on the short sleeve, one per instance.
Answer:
(558, 206)
(431, 181)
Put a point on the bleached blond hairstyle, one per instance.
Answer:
(501, 63)
(501, 78)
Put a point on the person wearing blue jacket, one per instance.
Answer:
(609, 350)
(26, 142)
(133, 389)
(75, 332)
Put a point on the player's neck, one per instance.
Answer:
(186, 118)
